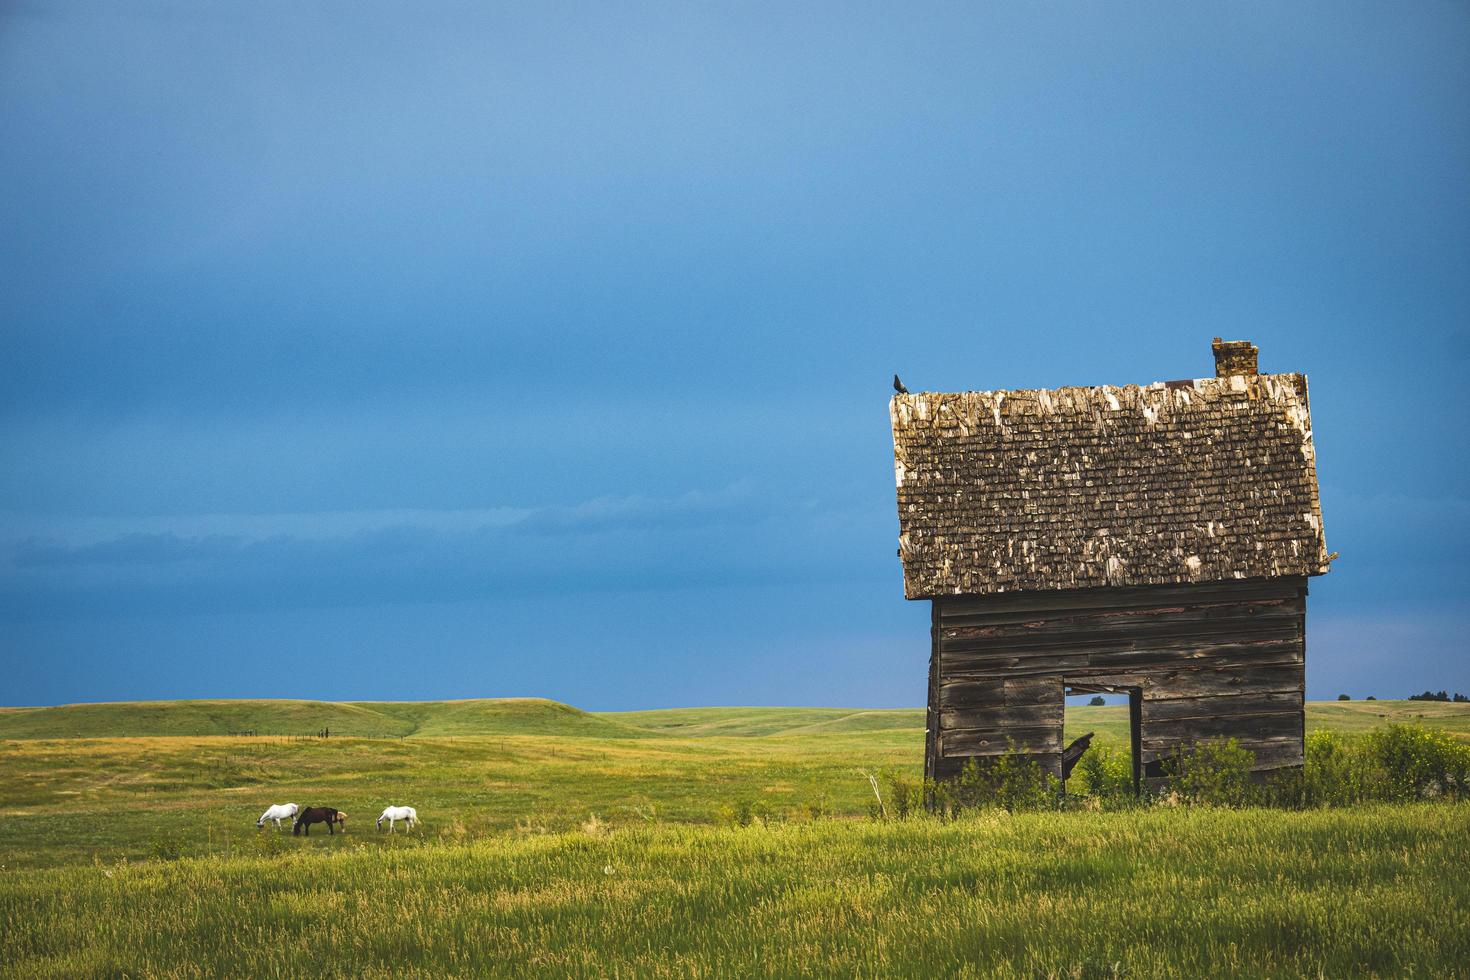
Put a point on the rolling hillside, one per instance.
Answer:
(538, 716)
(366, 719)
(748, 722)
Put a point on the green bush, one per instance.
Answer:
(1103, 773)
(1418, 763)
(1215, 773)
(905, 796)
(1396, 763)
(1336, 771)
(1011, 781)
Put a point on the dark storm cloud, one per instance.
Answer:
(696, 540)
(125, 549)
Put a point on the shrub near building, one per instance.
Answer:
(1393, 764)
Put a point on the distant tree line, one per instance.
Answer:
(1426, 696)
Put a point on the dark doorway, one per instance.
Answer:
(1135, 727)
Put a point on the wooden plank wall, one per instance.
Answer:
(1213, 660)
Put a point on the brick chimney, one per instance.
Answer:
(1234, 357)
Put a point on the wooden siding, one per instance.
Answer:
(1216, 660)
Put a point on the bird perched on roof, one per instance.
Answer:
(898, 386)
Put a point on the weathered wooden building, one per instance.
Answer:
(1153, 541)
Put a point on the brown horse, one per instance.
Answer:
(320, 814)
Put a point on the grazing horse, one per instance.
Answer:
(320, 814)
(277, 812)
(392, 814)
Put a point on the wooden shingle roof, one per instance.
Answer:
(1177, 482)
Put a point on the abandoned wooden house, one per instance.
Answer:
(1153, 541)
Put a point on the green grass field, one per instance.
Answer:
(1157, 893)
(129, 847)
(537, 716)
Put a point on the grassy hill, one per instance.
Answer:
(749, 722)
(1110, 722)
(501, 716)
(1360, 716)
(539, 716)
(361, 719)
(402, 719)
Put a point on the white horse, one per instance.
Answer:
(278, 812)
(393, 814)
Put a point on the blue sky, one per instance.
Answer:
(393, 351)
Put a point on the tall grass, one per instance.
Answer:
(1178, 892)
